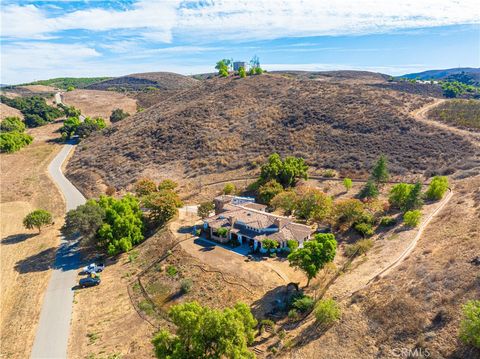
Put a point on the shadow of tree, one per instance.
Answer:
(274, 304)
(65, 257)
(17, 238)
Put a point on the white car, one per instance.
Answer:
(93, 268)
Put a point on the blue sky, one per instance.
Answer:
(44, 39)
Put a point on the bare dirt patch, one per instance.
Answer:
(25, 256)
(7, 111)
(95, 103)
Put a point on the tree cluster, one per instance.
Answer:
(203, 333)
(34, 109)
(13, 136)
(73, 126)
(286, 172)
(161, 201)
(115, 224)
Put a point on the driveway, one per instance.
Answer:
(54, 326)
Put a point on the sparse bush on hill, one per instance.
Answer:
(365, 229)
(347, 183)
(437, 188)
(405, 196)
(412, 218)
(37, 219)
(360, 247)
(66, 82)
(186, 285)
(229, 188)
(380, 174)
(470, 324)
(118, 114)
(387, 221)
(303, 303)
(327, 312)
(200, 330)
(369, 190)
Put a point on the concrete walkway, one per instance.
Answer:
(51, 339)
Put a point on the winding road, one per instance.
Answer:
(53, 330)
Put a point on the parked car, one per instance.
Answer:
(93, 268)
(89, 282)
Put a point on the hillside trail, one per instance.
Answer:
(421, 115)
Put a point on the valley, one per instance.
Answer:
(332, 121)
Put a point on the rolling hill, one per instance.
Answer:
(467, 75)
(231, 124)
(151, 80)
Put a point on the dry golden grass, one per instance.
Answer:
(95, 103)
(418, 304)
(7, 111)
(25, 256)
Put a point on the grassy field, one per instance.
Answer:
(461, 113)
(26, 256)
(95, 103)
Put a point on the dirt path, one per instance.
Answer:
(421, 116)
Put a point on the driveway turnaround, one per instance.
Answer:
(53, 329)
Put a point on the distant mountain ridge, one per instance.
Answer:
(467, 75)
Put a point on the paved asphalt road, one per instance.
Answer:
(53, 330)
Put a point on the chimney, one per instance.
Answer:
(232, 221)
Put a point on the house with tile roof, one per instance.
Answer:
(240, 219)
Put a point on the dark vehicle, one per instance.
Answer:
(89, 282)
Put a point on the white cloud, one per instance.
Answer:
(247, 20)
(243, 19)
(24, 61)
(155, 19)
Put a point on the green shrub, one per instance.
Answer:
(358, 248)
(348, 183)
(293, 314)
(437, 188)
(186, 285)
(330, 173)
(229, 188)
(470, 324)
(172, 271)
(327, 312)
(292, 244)
(412, 218)
(118, 115)
(12, 124)
(146, 307)
(365, 229)
(387, 221)
(303, 304)
(265, 323)
(222, 232)
(14, 141)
